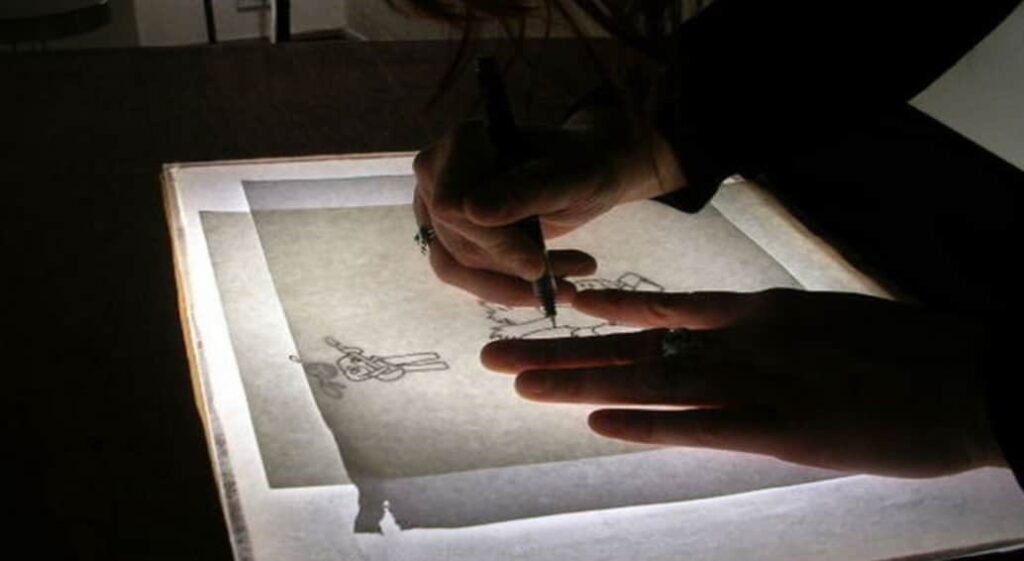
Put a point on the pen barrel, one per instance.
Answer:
(512, 150)
(544, 288)
(501, 125)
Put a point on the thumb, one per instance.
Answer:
(536, 188)
(692, 310)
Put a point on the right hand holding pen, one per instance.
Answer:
(574, 175)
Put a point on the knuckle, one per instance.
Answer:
(471, 260)
(447, 213)
(468, 255)
(515, 257)
(444, 270)
(423, 165)
(658, 311)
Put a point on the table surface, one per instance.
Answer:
(110, 457)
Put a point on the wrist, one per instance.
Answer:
(667, 172)
(642, 163)
(651, 168)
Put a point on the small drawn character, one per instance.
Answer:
(530, 323)
(324, 375)
(355, 366)
(626, 281)
(358, 367)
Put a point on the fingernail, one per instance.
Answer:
(601, 422)
(623, 425)
(533, 383)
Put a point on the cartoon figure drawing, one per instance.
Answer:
(323, 375)
(355, 366)
(530, 323)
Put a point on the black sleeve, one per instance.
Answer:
(751, 81)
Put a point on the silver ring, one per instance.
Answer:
(423, 237)
(682, 342)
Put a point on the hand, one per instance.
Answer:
(832, 380)
(577, 173)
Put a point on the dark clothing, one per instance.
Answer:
(809, 98)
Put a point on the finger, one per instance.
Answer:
(536, 188)
(424, 163)
(693, 310)
(665, 382)
(510, 250)
(742, 430)
(571, 263)
(518, 355)
(496, 287)
(489, 285)
(507, 249)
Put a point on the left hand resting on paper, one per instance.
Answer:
(839, 381)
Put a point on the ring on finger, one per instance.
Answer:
(424, 237)
(682, 343)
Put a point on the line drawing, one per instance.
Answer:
(324, 375)
(355, 366)
(530, 323)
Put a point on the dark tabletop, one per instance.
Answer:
(108, 455)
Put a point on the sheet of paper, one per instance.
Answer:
(292, 454)
(391, 355)
(842, 519)
(291, 443)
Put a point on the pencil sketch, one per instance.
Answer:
(355, 366)
(530, 323)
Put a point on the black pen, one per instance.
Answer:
(512, 150)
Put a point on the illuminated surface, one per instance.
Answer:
(829, 519)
